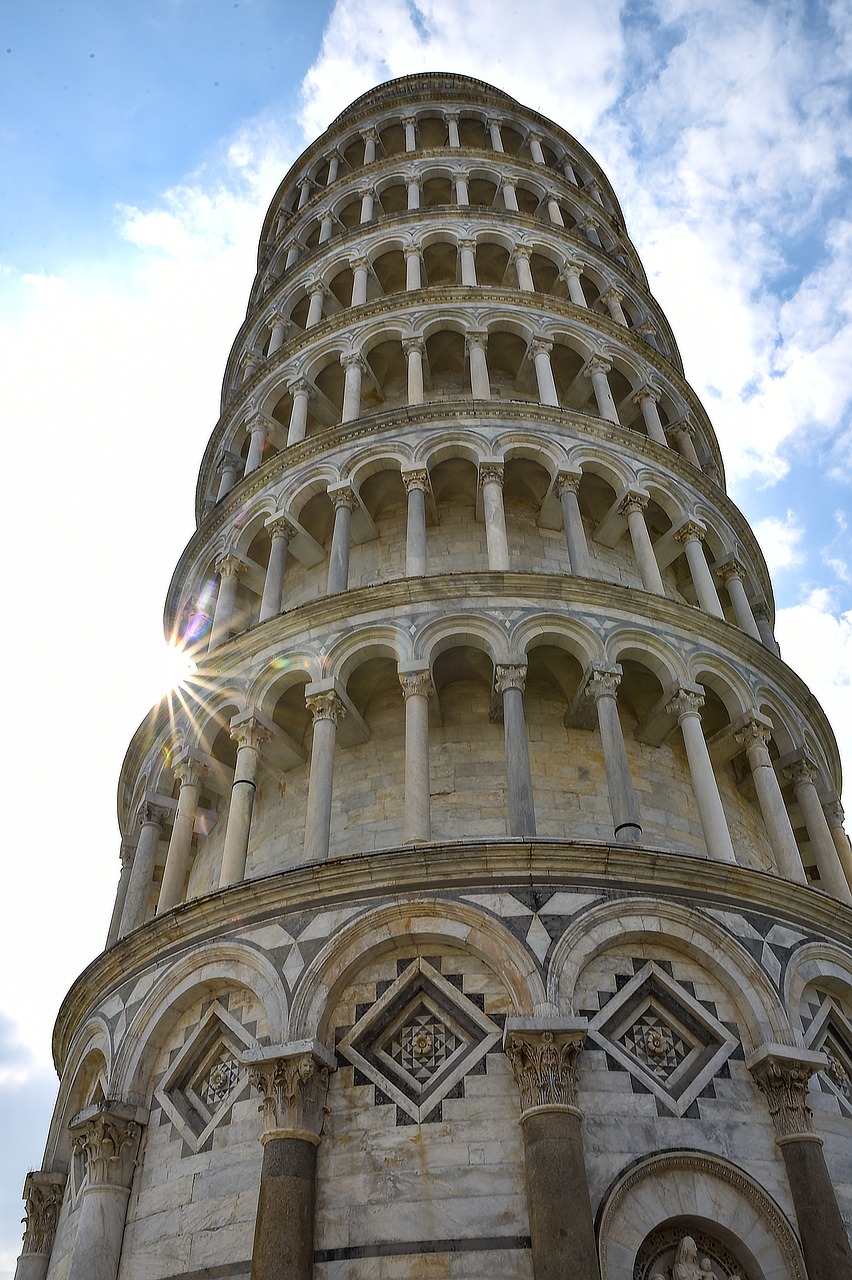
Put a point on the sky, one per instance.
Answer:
(140, 145)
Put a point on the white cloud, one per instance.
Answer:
(781, 541)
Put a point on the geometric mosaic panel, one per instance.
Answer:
(206, 1077)
(419, 1040)
(831, 1033)
(666, 1039)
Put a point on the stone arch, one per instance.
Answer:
(388, 456)
(211, 965)
(352, 650)
(89, 1059)
(283, 671)
(714, 672)
(562, 633)
(649, 650)
(424, 923)
(786, 733)
(762, 1016)
(825, 962)
(616, 471)
(470, 445)
(697, 1183)
(461, 629)
(518, 444)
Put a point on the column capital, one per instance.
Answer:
(543, 1053)
(275, 317)
(571, 268)
(325, 704)
(476, 338)
(540, 346)
(412, 177)
(490, 473)
(413, 344)
(415, 683)
(686, 702)
(596, 364)
(644, 328)
(106, 1136)
(359, 262)
(521, 251)
(782, 1073)
(603, 682)
(589, 223)
(633, 500)
(367, 190)
(509, 675)
(452, 115)
(410, 250)
(280, 527)
(230, 566)
(316, 286)
(149, 814)
(680, 427)
(801, 771)
(300, 386)
(189, 770)
(568, 480)
(343, 496)
(760, 609)
(293, 1082)
(250, 732)
(404, 120)
(369, 133)
(689, 531)
(43, 1194)
(229, 461)
(351, 359)
(648, 392)
(754, 732)
(415, 478)
(730, 568)
(834, 812)
(612, 295)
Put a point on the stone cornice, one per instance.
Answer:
(434, 869)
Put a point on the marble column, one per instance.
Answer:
(228, 466)
(409, 124)
(370, 142)
(43, 1192)
(413, 267)
(833, 810)
(326, 708)
(461, 188)
(259, 430)
(276, 335)
(344, 501)
(632, 507)
(568, 489)
(304, 192)
(326, 229)
(803, 775)
(510, 196)
(543, 1053)
(491, 482)
(480, 385)
(301, 391)
(229, 569)
(316, 293)
(681, 432)
(782, 1075)
(568, 169)
(647, 330)
(293, 1085)
(106, 1139)
(597, 369)
(647, 399)
(593, 189)
(495, 134)
(554, 213)
(540, 349)
(509, 681)
(521, 259)
(416, 686)
(690, 536)
(292, 255)
(603, 688)
(359, 281)
(754, 736)
(412, 187)
(189, 773)
(731, 573)
(571, 275)
(467, 262)
(764, 626)
(333, 168)
(414, 349)
(126, 858)
(249, 736)
(612, 298)
(452, 119)
(535, 149)
(686, 706)
(151, 819)
(591, 229)
(280, 531)
(416, 481)
(368, 200)
(249, 363)
(353, 365)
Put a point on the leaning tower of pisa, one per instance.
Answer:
(485, 902)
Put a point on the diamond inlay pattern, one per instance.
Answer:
(424, 1045)
(655, 1044)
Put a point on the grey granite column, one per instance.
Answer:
(416, 484)
(293, 1080)
(43, 1192)
(603, 687)
(106, 1136)
(543, 1053)
(338, 560)
(509, 681)
(782, 1074)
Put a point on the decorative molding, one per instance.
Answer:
(544, 1054)
(293, 1083)
(106, 1139)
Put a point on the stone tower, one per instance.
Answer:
(485, 903)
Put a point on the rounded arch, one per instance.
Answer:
(692, 1181)
(405, 923)
(616, 471)
(210, 966)
(827, 963)
(714, 672)
(381, 641)
(786, 732)
(762, 1015)
(388, 456)
(284, 670)
(649, 650)
(89, 1060)
(562, 633)
(461, 629)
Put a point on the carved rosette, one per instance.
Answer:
(107, 1142)
(784, 1082)
(42, 1201)
(544, 1064)
(294, 1089)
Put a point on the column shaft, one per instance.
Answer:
(702, 578)
(413, 351)
(642, 548)
(127, 859)
(525, 277)
(325, 708)
(359, 283)
(418, 821)
(177, 858)
(284, 1227)
(412, 268)
(338, 560)
(603, 394)
(317, 295)
(742, 609)
(354, 369)
(495, 519)
(467, 259)
(415, 532)
(754, 736)
(717, 837)
(547, 392)
(626, 822)
(300, 391)
(572, 520)
(258, 442)
(480, 385)
(273, 584)
(142, 875)
(249, 736)
(651, 416)
(575, 289)
(831, 876)
(562, 1229)
(518, 775)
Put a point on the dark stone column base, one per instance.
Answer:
(561, 1226)
(825, 1243)
(284, 1231)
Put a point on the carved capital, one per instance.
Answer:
(412, 251)
(229, 462)
(281, 527)
(754, 734)
(648, 392)
(230, 566)
(416, 478)
(476, 338)
(491, 473)
(369, 135)
(571, 268)
(510, 676)
(293, 1088)
(415, 683)
(689, 532)
(603, 683)
(782, 1075)
(300, 386)
(325, 705)
(645, 329)
(359, 263)
(632, 502)
(730, 569)
(612, 295)
(680, 427)
(544, 1064)
(352, 359)
(413, 344)
(801, 772)
(42, 1201)
(540, 346)
(597, 364)
(468, 243)
(407, 120)
(189, 771)
(250, 733)
(834, 814)
(686, 702)
(316, 286)
(149, 814)
(343, 497)
(568, 481)
(106, 1138)
(522, 251)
